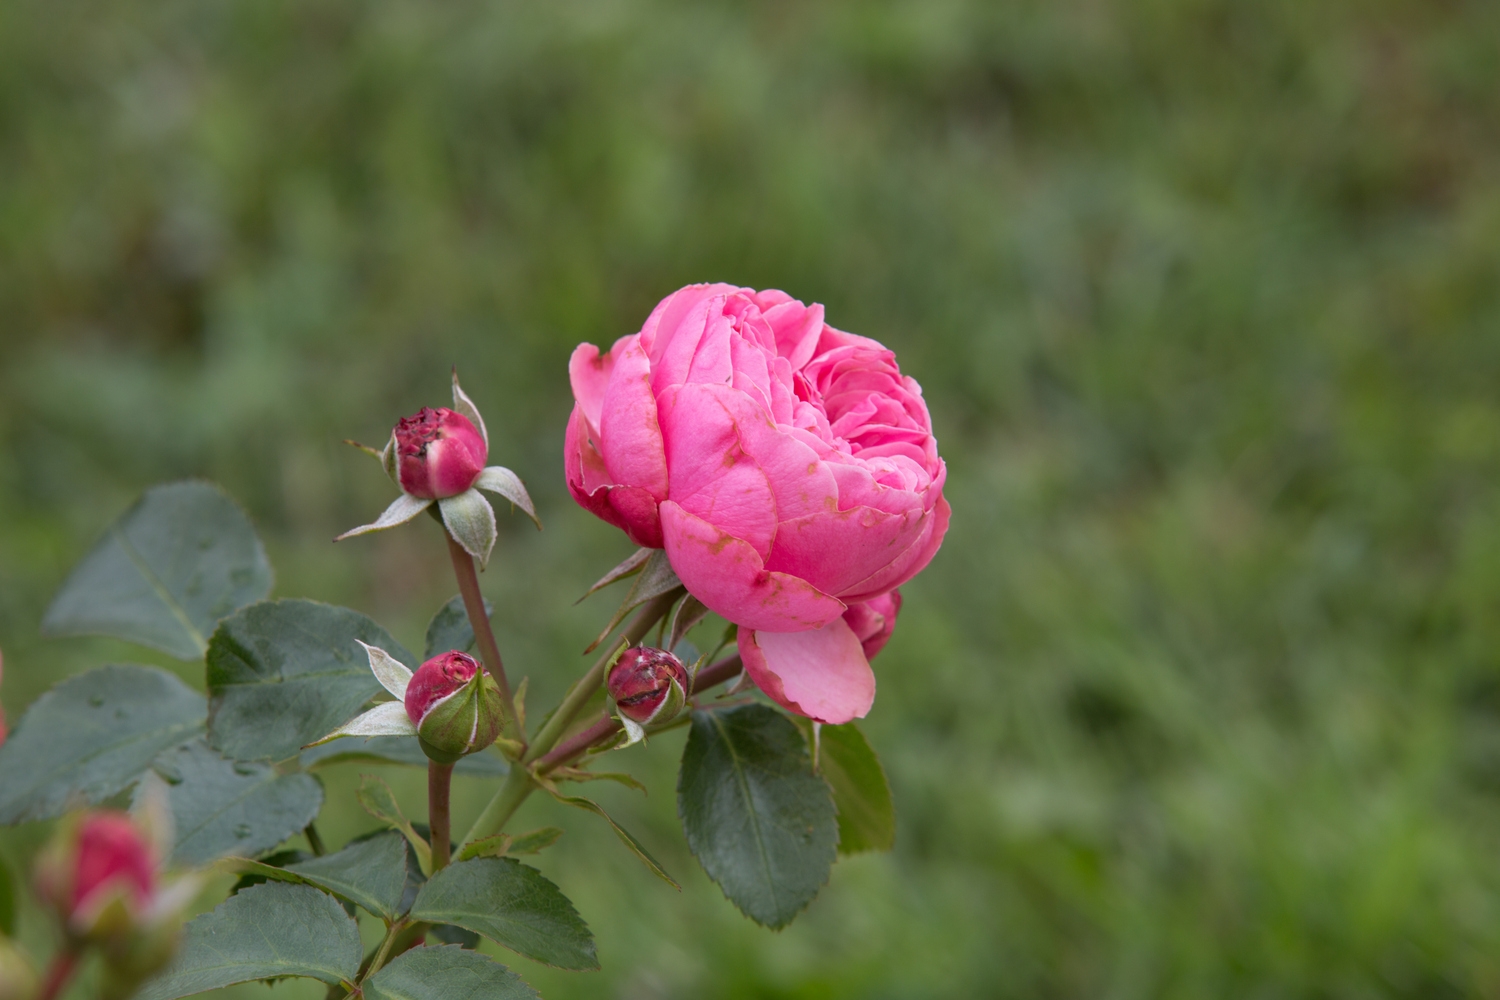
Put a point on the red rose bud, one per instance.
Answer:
(439, 453)
(99, 874)
(454, 705)
(648, 685)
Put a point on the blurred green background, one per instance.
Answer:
(1202, 696)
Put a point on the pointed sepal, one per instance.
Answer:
(471, 521)
(403, 509)
(463, 404)
(392, 674)
(389, 718)
(499, 479)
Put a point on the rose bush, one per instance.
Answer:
(788, 469)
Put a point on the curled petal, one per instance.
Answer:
(728, 576)
(402, 510)
(821, 673)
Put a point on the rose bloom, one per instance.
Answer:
(788, 469)
(439, 453)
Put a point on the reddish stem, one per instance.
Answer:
(484, 635)
(439, 784)
(63, 965)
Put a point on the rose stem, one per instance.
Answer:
(314, 840)
(605, 727)
(439, 784)
(518, 783)
(468, 586)
(58, 975)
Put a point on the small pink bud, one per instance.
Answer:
(455, 707)
(112, 854)
(439, 453)
(648, 685)
(101, 863)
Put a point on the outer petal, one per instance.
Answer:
(727, 575)
(588, 372)
(837, 550)
(631, 437)
(912, 561)
(821, 673)
(633, 511)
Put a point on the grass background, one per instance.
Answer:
(1202, 696)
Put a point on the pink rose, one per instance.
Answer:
(788, 469)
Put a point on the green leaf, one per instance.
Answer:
(656, 577)
(758, 819)
(446, 972)
(370, 872)
(867, 816)
(284, 673)
(264, 931)
(450, 628)
(626, 838)
(174, 564)
(92, 736)
(534, 842)
(399, 750)
(511, 904)
(222, 806)
(376, 798)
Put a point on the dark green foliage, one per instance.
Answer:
(438, 973)
(222, 806)
(867, 817)
(757, 817)
(165, 573)
(281, 674)
(266, 930)
(511, 904)
(370, 872)
(91, 736)
(7, 901)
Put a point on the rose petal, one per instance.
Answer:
(836, 551)
(912, 561)
(821, 673)
(717, 479)
(632, 441)
(727, 575)
(589, 371)
(874, 620)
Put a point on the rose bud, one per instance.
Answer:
(648, 685)
(99, 875)
(454, 705)
(439, 453)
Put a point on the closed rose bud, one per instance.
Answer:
(454, 705)
(439, 453)
(648, 685)
(99, 874)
